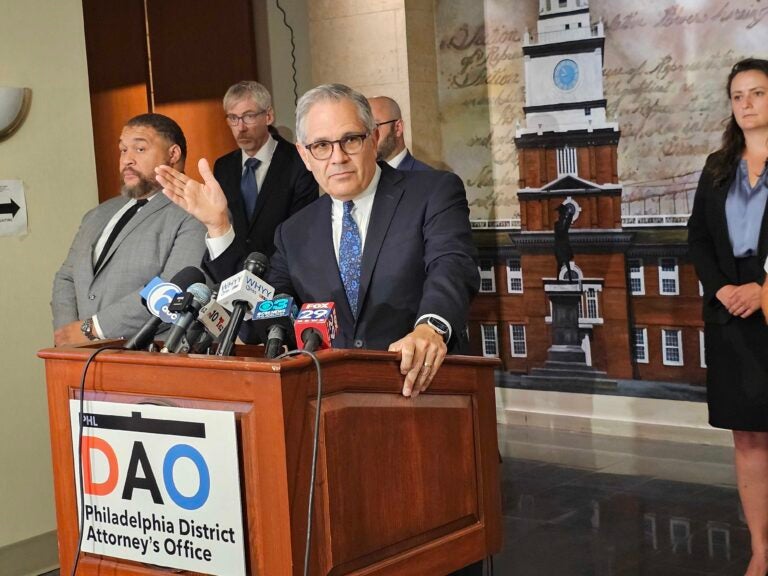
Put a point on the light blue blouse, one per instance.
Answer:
(744, 209)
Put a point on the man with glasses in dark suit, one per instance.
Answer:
(392, 249)
(264, 181)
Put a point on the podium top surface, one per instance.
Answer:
(247, 357)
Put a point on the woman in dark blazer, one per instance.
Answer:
(728, 242)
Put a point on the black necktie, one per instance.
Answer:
(127, 215)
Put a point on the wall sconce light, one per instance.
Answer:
(14, 105)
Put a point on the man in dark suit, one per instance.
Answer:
(391, 146)
(264, 180)
(392, 249)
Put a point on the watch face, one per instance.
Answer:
(566, 74)
(438, 325)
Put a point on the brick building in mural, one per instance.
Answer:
(640, 313)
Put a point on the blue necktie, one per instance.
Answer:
(248, 187)
(350, 255)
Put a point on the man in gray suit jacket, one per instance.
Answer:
(126, 241)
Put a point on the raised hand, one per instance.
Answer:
(205, 201)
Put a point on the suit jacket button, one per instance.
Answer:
(91, 296)
(359, 344)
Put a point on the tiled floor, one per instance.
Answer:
(586, 505)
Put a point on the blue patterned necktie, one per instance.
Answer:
(350, 255)
(248, 187)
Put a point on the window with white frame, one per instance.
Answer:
(680, 535)
(641, 345)
(487, 278)
(702, 349)
(669, 283)
(589, 308)
(514, 276)
(672, 347)
(490, 339)
(566, 160)
(517, 344)
(636, 277)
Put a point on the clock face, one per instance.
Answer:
(566, 74)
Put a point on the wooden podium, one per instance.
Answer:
(404, 487)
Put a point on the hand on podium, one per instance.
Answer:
(422, 354)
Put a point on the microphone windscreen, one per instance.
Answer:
(200, 292)
(256, 263)
(185, 277)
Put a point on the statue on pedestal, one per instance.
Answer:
(563, 250)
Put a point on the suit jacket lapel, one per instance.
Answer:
(388, 194)
(721, 194)
(157, 203)
(100, 222)
(233, 174)
(278, 169)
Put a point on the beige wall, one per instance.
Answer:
(278, 70)
(382, 48)
(41, 47)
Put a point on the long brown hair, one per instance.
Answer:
(733, 137)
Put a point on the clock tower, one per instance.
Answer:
(566, 130)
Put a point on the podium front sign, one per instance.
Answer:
(161, 485)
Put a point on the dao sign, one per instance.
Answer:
(161, 486)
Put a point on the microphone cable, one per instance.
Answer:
(80, 488)
(315, 441)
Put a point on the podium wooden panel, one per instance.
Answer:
(404, 487)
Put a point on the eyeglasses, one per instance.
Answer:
(249, 118)
(323, 149)
(387, 122)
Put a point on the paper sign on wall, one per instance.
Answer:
(13, 208)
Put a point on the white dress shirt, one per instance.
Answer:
(103, 240)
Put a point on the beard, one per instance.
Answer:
(386, 146)
(145, 186)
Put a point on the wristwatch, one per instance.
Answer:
(87, 329)
(437, 325)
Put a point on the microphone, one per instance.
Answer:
(273, 323)
(157, 296)
(214, 319)
(316, 326)
(239, 294)
(196, 296)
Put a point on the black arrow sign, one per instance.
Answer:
(11, 208)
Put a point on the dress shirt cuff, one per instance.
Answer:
(96, 328)
(765, 265)
(217, 246)
(443, 320)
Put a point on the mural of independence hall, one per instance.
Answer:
(639, 305)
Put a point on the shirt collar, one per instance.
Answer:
(369, 191)
(395, 160)
(264, 154)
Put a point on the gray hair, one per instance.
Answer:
(248, 89)
(334, 93)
